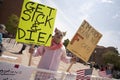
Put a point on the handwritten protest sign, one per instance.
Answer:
(14, 72)
(36, 23)
(84, 41)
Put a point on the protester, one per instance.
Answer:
(52, 55)
(102, 68)
(22, 49)
(2, 31)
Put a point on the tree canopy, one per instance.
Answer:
(12, 24)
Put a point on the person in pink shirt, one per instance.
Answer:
(51, 56)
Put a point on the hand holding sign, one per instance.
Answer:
(73, 59)
(31, 50)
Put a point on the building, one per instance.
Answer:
(9, 7)
(98, 52)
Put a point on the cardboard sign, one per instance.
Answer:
(84, 41)
(14, 72)
(36, 24)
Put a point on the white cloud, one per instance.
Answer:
(107, 1)
(110, 38)
(85, 9)
(116, 16)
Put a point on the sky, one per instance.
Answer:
(103, 15)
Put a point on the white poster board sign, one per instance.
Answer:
(10, 71)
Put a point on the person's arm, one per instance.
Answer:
(64, 56)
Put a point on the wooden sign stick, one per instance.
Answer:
(70, 67)
(74, 57)
(68, 70)
(30, 56)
